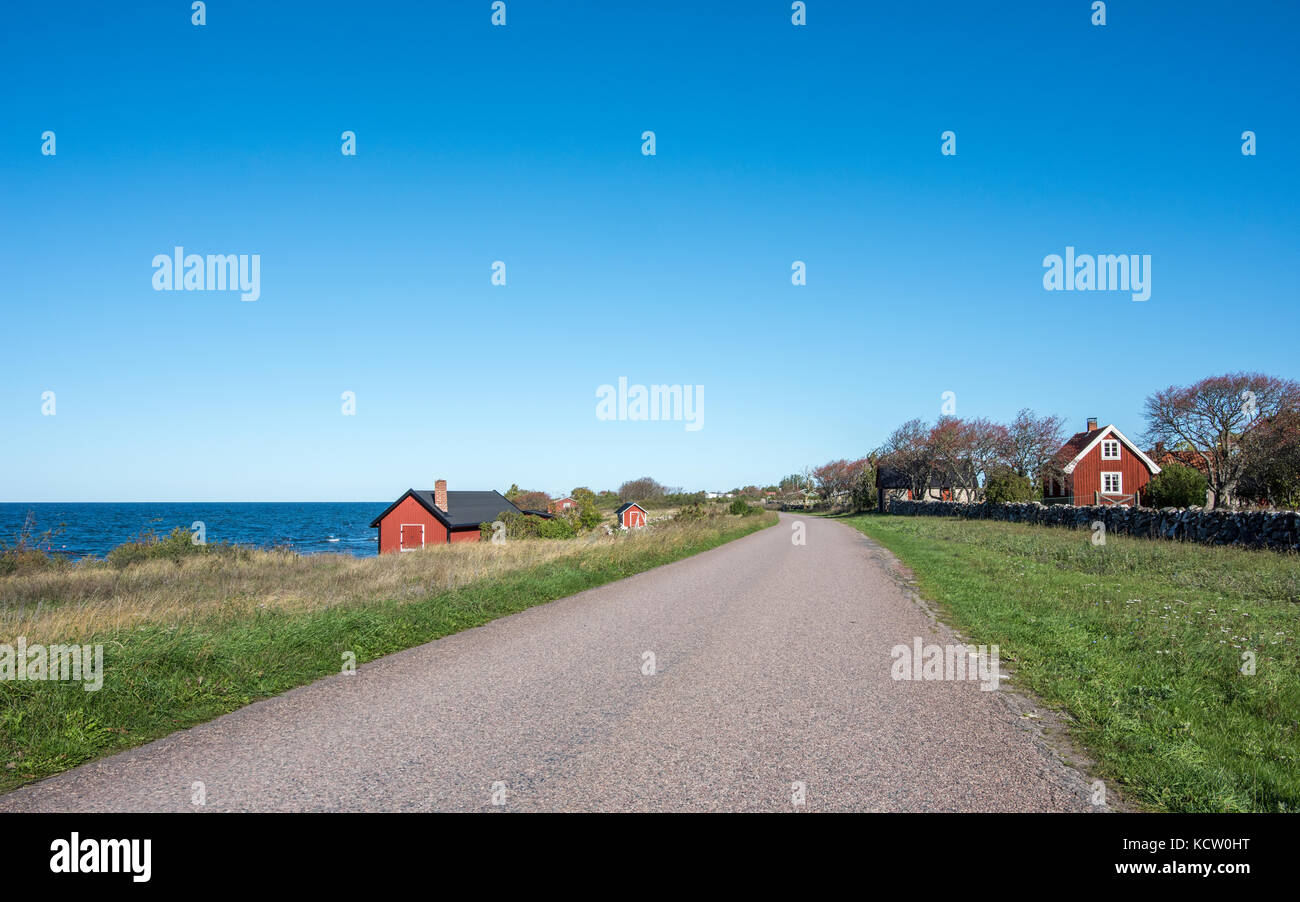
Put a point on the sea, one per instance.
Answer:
(94, 529)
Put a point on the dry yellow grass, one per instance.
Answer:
(70, 603)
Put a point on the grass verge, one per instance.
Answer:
(1143, 643)
(188, 640)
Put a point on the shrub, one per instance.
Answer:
(1176, 486)
(529, 526)
(1007, 485)
(176, 545)
(29, 550)
(742, 508)
(692, 513)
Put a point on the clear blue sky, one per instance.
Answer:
(775, 143)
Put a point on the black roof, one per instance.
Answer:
(619, 512)
(463, 508)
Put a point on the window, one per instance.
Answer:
(1110, 449)
(411, 536)
(1111, 483)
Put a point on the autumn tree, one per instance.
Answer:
(643, 489)
(531, 501)
(1271, 467)
(1033, 441)
(1213, 416)
(908, 450)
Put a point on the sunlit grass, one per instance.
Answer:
(1141, 641)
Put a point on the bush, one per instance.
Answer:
(692, 513)
(743, 508)
(1176, 486)
(1005, 486)
(175, 545)
(589, 516)
(29, 550)
(529, 526)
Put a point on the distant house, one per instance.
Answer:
(421, 517)
(894, 484)
(559, 505)
(1098, 466)
(631, 515)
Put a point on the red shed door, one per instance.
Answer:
(412, 536)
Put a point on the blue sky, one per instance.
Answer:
(477, 143)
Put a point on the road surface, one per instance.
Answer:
(772, 680)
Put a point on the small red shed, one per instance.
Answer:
(1099, 466)
(631, 515)
(421, 517)
(560, 505)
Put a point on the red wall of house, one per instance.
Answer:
(633, 516)
(410, 511)
(470, 534)
(1087, 473)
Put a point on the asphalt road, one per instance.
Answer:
(772, 667)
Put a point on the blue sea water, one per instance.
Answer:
(306, 527)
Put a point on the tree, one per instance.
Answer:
(1033, 441)
(831, 478)
(863, 494)
(909, 451)
(1176, 486)
(795, 482)
(949, 449)
(1271, 467)
(643, 489)
(531, 501)
(1213, 415)
(988, 447)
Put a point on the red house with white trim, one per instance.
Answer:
(559, 505)
(631, 515)
(1098, 466)
(420, 517)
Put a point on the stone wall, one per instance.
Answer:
(1279, 530)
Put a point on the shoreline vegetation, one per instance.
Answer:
(188, 636)
(1176, 664)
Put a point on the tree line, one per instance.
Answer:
(1239, 435)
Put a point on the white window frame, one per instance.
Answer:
(1119, 482)
(1106, 445)
(402, 526)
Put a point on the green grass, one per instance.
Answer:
(167, 674)
(1140, 641)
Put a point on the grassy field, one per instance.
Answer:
(1141, 642)
(190, 638)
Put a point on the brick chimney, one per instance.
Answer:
(440, 494)
(1092, 423)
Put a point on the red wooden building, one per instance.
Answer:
(631, 515)
(437, 517)
(1098, 466)
(560, 505)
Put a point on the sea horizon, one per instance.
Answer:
(94, 528)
